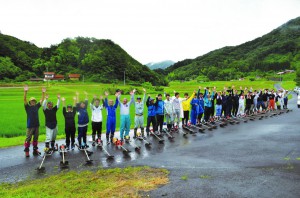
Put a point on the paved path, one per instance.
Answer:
(254, 159)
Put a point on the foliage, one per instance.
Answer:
(275, 51)
(99, 60)
(116, 182)
(297, 79)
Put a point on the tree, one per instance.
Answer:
(8, 69)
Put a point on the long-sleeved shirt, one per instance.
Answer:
(69, 117)
(139, 106)
(83, 117)
(50, 115)
(151, 107)
(169, 107)
(111, 110)
(208, 100)
(159, 107)
(124, 108)
(186, 104)
(96, 113)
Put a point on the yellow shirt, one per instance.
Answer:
(186, 104)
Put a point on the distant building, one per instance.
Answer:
(48, 75)
(287, 71)
(74, 77)
(53, 76)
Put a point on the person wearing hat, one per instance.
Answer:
(50, 122)
(69, 113)
(125, 115)
(111, 116)
(151, 114)
(32, 111)
(139, 114)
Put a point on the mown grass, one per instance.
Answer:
(117, 182)
(13, 116)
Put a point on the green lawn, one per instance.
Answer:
(13, 116)
(117, 182)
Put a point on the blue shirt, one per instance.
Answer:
(32, 115)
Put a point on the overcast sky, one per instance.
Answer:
(151, 30)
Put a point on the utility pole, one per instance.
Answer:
(124, 78)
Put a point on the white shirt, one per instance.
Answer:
(96, 113)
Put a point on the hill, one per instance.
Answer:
(160, 65)
(99, 60)
(275, 51)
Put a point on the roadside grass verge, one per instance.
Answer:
(116, 182)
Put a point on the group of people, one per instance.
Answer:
(200, 106)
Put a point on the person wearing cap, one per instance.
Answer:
(32, 111)
(96, 109)
(139, 114)
(50, 122)
(111, 116)
(69, 113)
(151, 114)
(83, 120)
(125, 115)
(169, 112)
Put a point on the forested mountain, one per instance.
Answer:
(99, 60)
(277, 50)
(160, 65)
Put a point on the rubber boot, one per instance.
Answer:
(93, 138)
(53, 146)
(111, 137)
(107, 138)
(142, 131)
(35, 148)
(26, 150)
(135, 132)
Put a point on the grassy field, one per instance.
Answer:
(13, 119)
(125, 182)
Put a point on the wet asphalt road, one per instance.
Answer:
(259, 158)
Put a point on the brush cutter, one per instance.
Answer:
(47, 152)
(119, 143)
(202, 125)
(200, 129)
(87, 153)
(168, 134)
(108, 156)
(136, 148)
(63, 151)
(161, 141)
